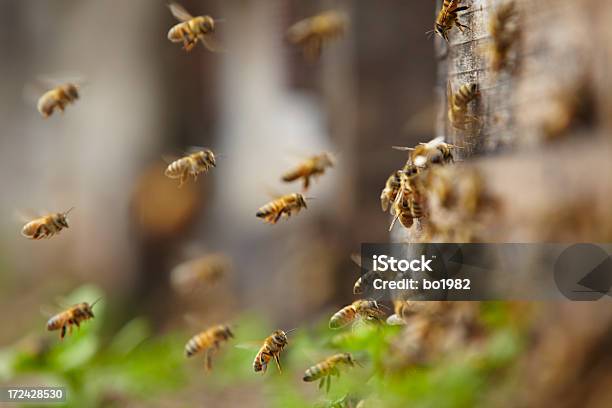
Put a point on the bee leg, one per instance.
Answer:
(328, 386)
(208, 359)
(280, 213)
(277, 359)
(63, 333)
(321, 383)
(462, 27)
(306, 183)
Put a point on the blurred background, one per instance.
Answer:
(262, 108)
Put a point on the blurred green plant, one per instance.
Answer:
(135, 365)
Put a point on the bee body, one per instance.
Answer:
(287, 204)
(311, 33)
(313, 167)
(206, 269)
(191, 166)
(272, 347)
(208, 341)
(73, 316)
(392, 187)
(504, 34)
(365, 309)
(46, 226)
(191, 29)
(58, 97)
(327, 368)
(448, 17)
(457, 112)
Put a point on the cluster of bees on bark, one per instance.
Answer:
(403, 194)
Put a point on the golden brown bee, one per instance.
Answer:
(287, 204)
(365, 279)
(47, 226)
(312, 167)
(504, 33)
(311, 33)
(191, 165)
(392, 187)
(272, 347)
(191, 29)
(368, 310)
(435, 151)
(458, 105)
(207, 269)
(58, 97)
(327, 368)
(448, 17)
(73, 316)
(208, 341)
(402, 208)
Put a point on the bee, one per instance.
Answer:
(435, 151)
(191, 165)
(448, 16)
(287, 204)
(504, 34)
(272, 347)
(402, 208)
(206, 269)
(313, 167)
(369, 310)
(392, 187)
(191, 29)
(457, 111)
(208, 341)
(327, 368)
(58, 97)
(46, 226)
(365, 279)
(311, 33)
(73, 316)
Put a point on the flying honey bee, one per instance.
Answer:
(46, 226)
(191, 165)
(448, 17)
(504, 32)
(392, 187)
(206, 269)
(365, 279)
(311, 33)
(272, 347)
(458, 105)
(312, 167)
(208, 341)
(287, 204)
(73, 316)
(368, 310)
(327, 368)
(191, 29)
(58, 97)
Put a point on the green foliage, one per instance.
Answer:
(135, 365)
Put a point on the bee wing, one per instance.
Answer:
(250, 345)
(47, 311)
(356, 258)
(435, 142)
(170, 158)
(26, 215)
(211, 43)
(403, 148)
(179, 12)
(193, 320)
